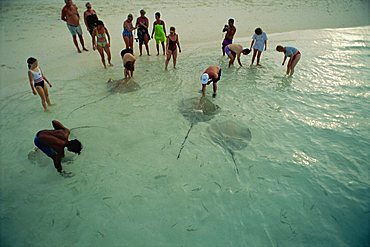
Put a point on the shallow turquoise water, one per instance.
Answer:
(303, 177)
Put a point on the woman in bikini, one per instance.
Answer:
(101, 43)
(171, 47)
(128, 38)
(294, 56)
(37, 82)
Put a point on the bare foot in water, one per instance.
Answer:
(79, 51)
(85, 49)
(110, 64)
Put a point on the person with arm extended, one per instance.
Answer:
(211, 75)
(294, 56)
(53, 142)
(234, 51)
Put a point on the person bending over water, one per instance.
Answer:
(230, 32)
(72, 18)
(171, 47)
(211, 74)
(37, 82)
(294, 57)
(102, 44)
(53, 142)
(90, 18)
(159, 31)
(142, 25)
(234, 51)
(259, 43)
(128, 62)
(127, 36)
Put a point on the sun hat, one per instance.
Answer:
(204, 78)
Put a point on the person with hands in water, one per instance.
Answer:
(37, 82)
(294, 56)
(211, 74)
(102, 43)
(53, 142)
(128, 60)
(234, 51)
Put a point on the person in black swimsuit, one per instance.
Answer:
(172, 43)
(90, 18)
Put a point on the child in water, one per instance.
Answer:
(159, 31)
(37, 82)
(259, 43)
(101, 43)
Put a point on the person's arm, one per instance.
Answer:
(93, 39)
(153, 29)
(226, 28)
(239, 60)
(63, 16)
(85, 20)
(167, 44)
(164, 28)
(31, 83)
(106, 30)
(284, 59)
(178, 42)
(57, 125)
(58, 162)
(46, 79)
(203, 90)
(252, 42)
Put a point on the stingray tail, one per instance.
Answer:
(183, 143)
(233, 157)
(82, 106)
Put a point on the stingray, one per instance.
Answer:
(196, 110)
(231, 136)
(114, 86)
(122, 86)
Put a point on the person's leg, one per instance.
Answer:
(223, 49)
(101, 52)
(141, 49)
(82, 42)
(131, 42)
(46, 92)
(164, 53)
(127, 41)
(107, 50)
(214, 89)
(41, 93)
(258, 57)
(146, 40)
(174, 54)
(168, 58)
(157, 46)
(231, 61)
(294, 63)
(254, 55)
(76, 44)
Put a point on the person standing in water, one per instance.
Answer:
(230, 32)
(127, 36)
(128, 60)
(171, 47)
(294, 57)
(37, 82)
(102, 43)
(53, 142)
(159, 31)
(211, 74)
(72, 18)
(234, 51)
(90, 18)
(259, 43)
(142, 25)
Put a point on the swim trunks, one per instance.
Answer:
(226, 42)
(74, 29)
(219, 76)
(39, 84)
(229, 52)
(47, 150)
(127, 50)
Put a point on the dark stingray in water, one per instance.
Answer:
(122, 86)
(231, 136)
(196, 110)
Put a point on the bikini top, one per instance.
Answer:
(37, 75)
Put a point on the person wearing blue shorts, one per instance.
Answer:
(53, 142)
